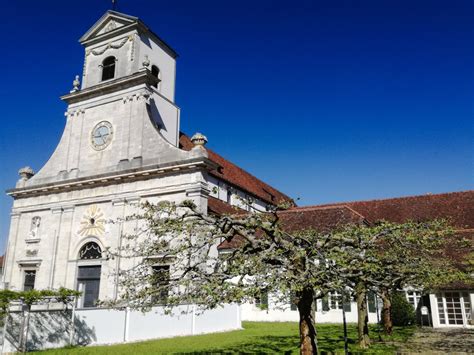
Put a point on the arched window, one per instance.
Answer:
(156, 73)
(108, 68)
(90, 250)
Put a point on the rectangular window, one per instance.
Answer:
(161, 278)
(30, 277)
(88, 282)
(413, 297)
(454, 308)
(335, 300)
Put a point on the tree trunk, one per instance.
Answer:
(362, 316)
(387, 311)
(307, 330)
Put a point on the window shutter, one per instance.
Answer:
(325, 304)
(347, 305)
(371, 300)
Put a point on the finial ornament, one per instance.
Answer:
(199, 139)
(26, 173)
(75, 84)
(146, 62)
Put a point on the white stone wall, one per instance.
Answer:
(219, 189)
(59, 238)
(148, 46)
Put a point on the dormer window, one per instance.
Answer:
(156, 73)
(108, 68)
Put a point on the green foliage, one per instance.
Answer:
(35, 296)
(255, 338)
(403, 313)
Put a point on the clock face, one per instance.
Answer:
(101, 135)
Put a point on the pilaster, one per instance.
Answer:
(11, 249)
(62, 245)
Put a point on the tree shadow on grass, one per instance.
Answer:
(260, 345)
(278, 345)
(330, 341)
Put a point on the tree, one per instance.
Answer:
(411, 255)
(390, 256)
(176, 259)
(263, 258)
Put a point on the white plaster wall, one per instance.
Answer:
(125, 58)
(250, 312)
(165, 63)
(218, 189)
(219, 319)
(62, 214)
(156, 324)
(109, 326)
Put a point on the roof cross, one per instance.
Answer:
(114, 5)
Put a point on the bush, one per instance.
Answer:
(402, 311)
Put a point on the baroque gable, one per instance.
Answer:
(110, 22)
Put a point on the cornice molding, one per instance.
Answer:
(112, 178)
(141, 77)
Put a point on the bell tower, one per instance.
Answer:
(119, 45)
(121, 113)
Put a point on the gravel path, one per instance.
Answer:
(439, 341)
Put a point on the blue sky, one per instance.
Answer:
(326, 100)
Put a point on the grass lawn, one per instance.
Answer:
(256, 337)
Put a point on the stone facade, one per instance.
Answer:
(119, 147)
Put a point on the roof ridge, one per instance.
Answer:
(318, 208)
(393, 198)
(250, 174)
(261, 188)
(314, 207)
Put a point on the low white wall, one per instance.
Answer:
(52, 329)
(157, 324)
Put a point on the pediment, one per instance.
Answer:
(109, 22)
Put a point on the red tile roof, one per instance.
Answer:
(238, 177)
(219, 207)
(321, 219)
(458, 207)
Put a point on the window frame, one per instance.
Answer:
(157, 76)
(106, 68)
(25, 274)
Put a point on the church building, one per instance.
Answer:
(121, 145)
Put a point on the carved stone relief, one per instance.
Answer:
(93, 222)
